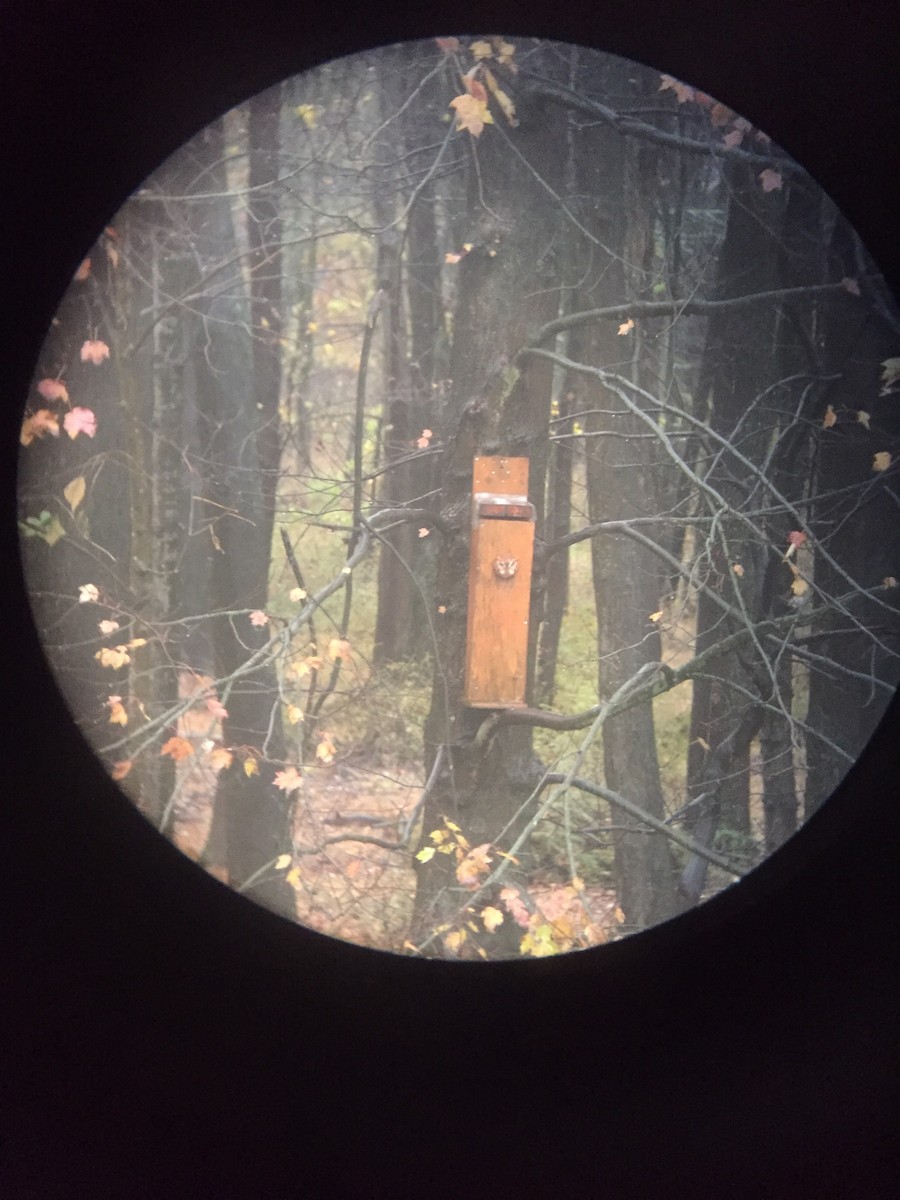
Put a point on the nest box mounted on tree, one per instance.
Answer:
(499, 584)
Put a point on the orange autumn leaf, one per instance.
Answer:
(215, 706)
(449, 45)
(719, 115)
(294, 714)
(80, 420)
(771, 180)
(681, 90)
(307, 665)
(177, 748)
(220, 759)
(53, 389)
(117, 713)
(120, 769)
(38, 425)
(83, 271)
(475, 864)
(626, 327)
(830, 418)
(288, 780)
(738, 569)
(258, 617)
(94, 352)
(339, 650)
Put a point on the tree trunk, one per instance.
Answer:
(251, 819)
(506, 288)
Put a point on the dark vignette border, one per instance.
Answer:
(165, 1037)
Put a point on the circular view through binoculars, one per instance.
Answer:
(458, 496)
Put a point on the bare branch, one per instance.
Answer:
(685, 307)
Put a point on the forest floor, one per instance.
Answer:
(345, 886)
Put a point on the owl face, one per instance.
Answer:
(505, 567)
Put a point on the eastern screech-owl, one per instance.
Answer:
(505, 566)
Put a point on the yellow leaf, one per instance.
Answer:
(308, 114)
(619, 915)
(506, 105)
(114, 657)
(881, 461)
(830, 418)
(251, 767)
(702, 743)
(325, 751)
(135, 643)
(452, 825)
(74, 492)
(481, 50)
(425, 854)
(492, 918)
(294, 714)
(407, 945)
(282, 861)
(863, 418)
(455, 939)
(293, 878)
(297, 594)
(54, 531)
(626, 327)
(657, 616)
(504, 52)
(799, 587)
(890, 374)
(117, 713)
(577, 883)
(471, 114)
(439, 835)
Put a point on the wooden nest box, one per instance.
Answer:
(502, 550)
